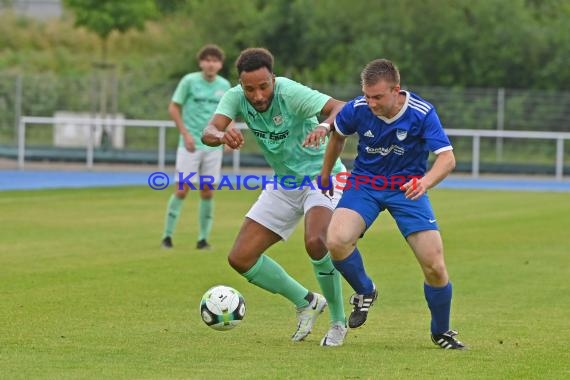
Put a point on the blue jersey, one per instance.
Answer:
(396, 147)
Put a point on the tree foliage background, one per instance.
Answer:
(484, 43)
(105, 16)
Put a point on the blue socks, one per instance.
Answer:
(352, 269)
(438, 299)
(439, 303)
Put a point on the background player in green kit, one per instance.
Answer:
(282, 115)
(192, 106)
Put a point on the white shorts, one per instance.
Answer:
(280, 210)
(201, 162)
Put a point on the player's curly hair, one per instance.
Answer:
(252, 59)
(211, 50)
(380, 69)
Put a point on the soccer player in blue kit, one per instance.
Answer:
(396, 130)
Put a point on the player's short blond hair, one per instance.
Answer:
(378, 70)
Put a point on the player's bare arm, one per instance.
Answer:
(175, 111)
(443, 165)
(334, 148)
(220, 132)
(319, 134)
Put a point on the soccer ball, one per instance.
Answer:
(222, 307)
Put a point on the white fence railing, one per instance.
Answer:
(475, 134)
(98, 122)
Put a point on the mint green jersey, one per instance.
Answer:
(199, 99)
(281, 130)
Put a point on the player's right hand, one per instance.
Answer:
(233, 138)
(189, 143)
(326, 185)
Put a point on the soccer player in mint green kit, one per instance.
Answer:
(192, 106)
(282, 115)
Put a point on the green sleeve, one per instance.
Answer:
(182, 91)
(305, 101)
(230, 103)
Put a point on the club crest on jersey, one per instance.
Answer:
(401, 135)
(278, 119)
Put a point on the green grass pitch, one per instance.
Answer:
(86, 293)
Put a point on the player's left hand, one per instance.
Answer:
(414, 188)
(317, 137)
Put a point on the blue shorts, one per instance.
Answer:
(410, 216)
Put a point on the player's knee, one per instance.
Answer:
(240, 263)
(181, 193)
(436, 273)
(235, 262)
(337, 246)
(315, 246)
(206, 193)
